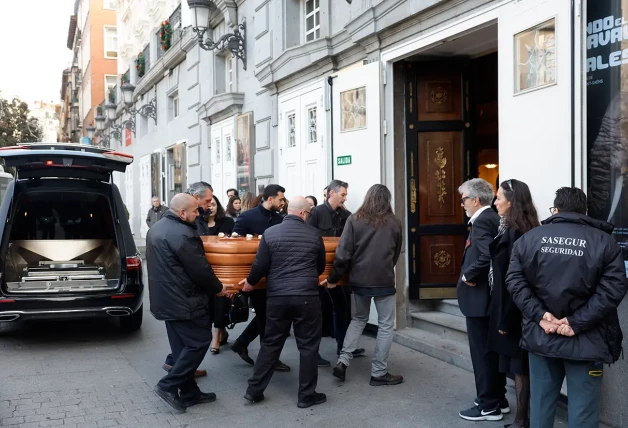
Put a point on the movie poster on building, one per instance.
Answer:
(607, 114)
(244, 132)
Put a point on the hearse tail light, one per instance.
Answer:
(7, 301)
(124, 157)
(123, 296)
(133, 263)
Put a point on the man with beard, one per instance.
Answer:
(181, 282)
(330, 218)
(255, 222)
(203, 194)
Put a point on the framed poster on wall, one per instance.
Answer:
(244, 143)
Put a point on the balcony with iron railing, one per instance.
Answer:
(142, 62)
(175, 24)
(171, 34)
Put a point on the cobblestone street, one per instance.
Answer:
(86, 374)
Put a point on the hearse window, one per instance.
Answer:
(62, 215)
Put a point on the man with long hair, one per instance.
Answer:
(368, 250)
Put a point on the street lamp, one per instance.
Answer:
(110, 109)
(90, 132)
(100, 121)
(127, 94)
(148, 110)
(201, 11)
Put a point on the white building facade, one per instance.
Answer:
(419, 96)
(47, 114)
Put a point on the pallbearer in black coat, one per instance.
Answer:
(474, 299)
(518, 215)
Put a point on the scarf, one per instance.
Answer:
(500, 232)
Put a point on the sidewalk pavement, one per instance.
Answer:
(87, 374)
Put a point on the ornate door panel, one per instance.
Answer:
(436, 113)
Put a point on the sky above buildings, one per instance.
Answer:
(34, 52)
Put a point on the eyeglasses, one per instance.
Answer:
(464, 199)
(552, 209)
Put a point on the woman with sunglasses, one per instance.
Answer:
(518, 215)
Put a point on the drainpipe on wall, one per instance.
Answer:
(330, 82)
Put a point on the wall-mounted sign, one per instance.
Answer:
(128, 137)
(343, 160)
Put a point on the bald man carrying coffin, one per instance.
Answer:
(291, 256)
(181, 282)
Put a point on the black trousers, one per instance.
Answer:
(282, 313)
(490, 384)
(189, 342)
(257, 326)
(341, 303)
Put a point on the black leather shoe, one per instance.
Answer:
(170, 399)
(254, 398)
(387, 379)
(281, 367)
(322, 362)
(315, 399)
(205, 397)
(340, 371)
(242, 352)
(358, 352)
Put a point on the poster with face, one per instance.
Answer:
(607, 114)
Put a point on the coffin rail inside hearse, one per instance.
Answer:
(66, 248)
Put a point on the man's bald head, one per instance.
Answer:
(184, 206)
(298, 203)
(300, 207)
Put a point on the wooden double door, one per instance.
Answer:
(438, 162)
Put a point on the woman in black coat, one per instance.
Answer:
(218, 222)
(518, 215)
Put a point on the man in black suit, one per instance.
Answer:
(474, 298)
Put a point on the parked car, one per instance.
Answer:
(66, 248)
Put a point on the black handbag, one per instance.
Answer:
(238, 309)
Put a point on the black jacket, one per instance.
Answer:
(474, 301)
(154, 215)
(255, 221)
(330, 223)
(180, 279)
(224, 225)
(505, 315)
(369, 254)
(291, 256)
(570, 267)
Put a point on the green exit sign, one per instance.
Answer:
(343, 160)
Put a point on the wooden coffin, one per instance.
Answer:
(231, 258)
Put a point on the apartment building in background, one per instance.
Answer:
(93, 37)
(48, 115)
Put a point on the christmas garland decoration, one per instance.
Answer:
(140, 65)
(165, 35)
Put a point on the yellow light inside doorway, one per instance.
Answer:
(490, 165)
